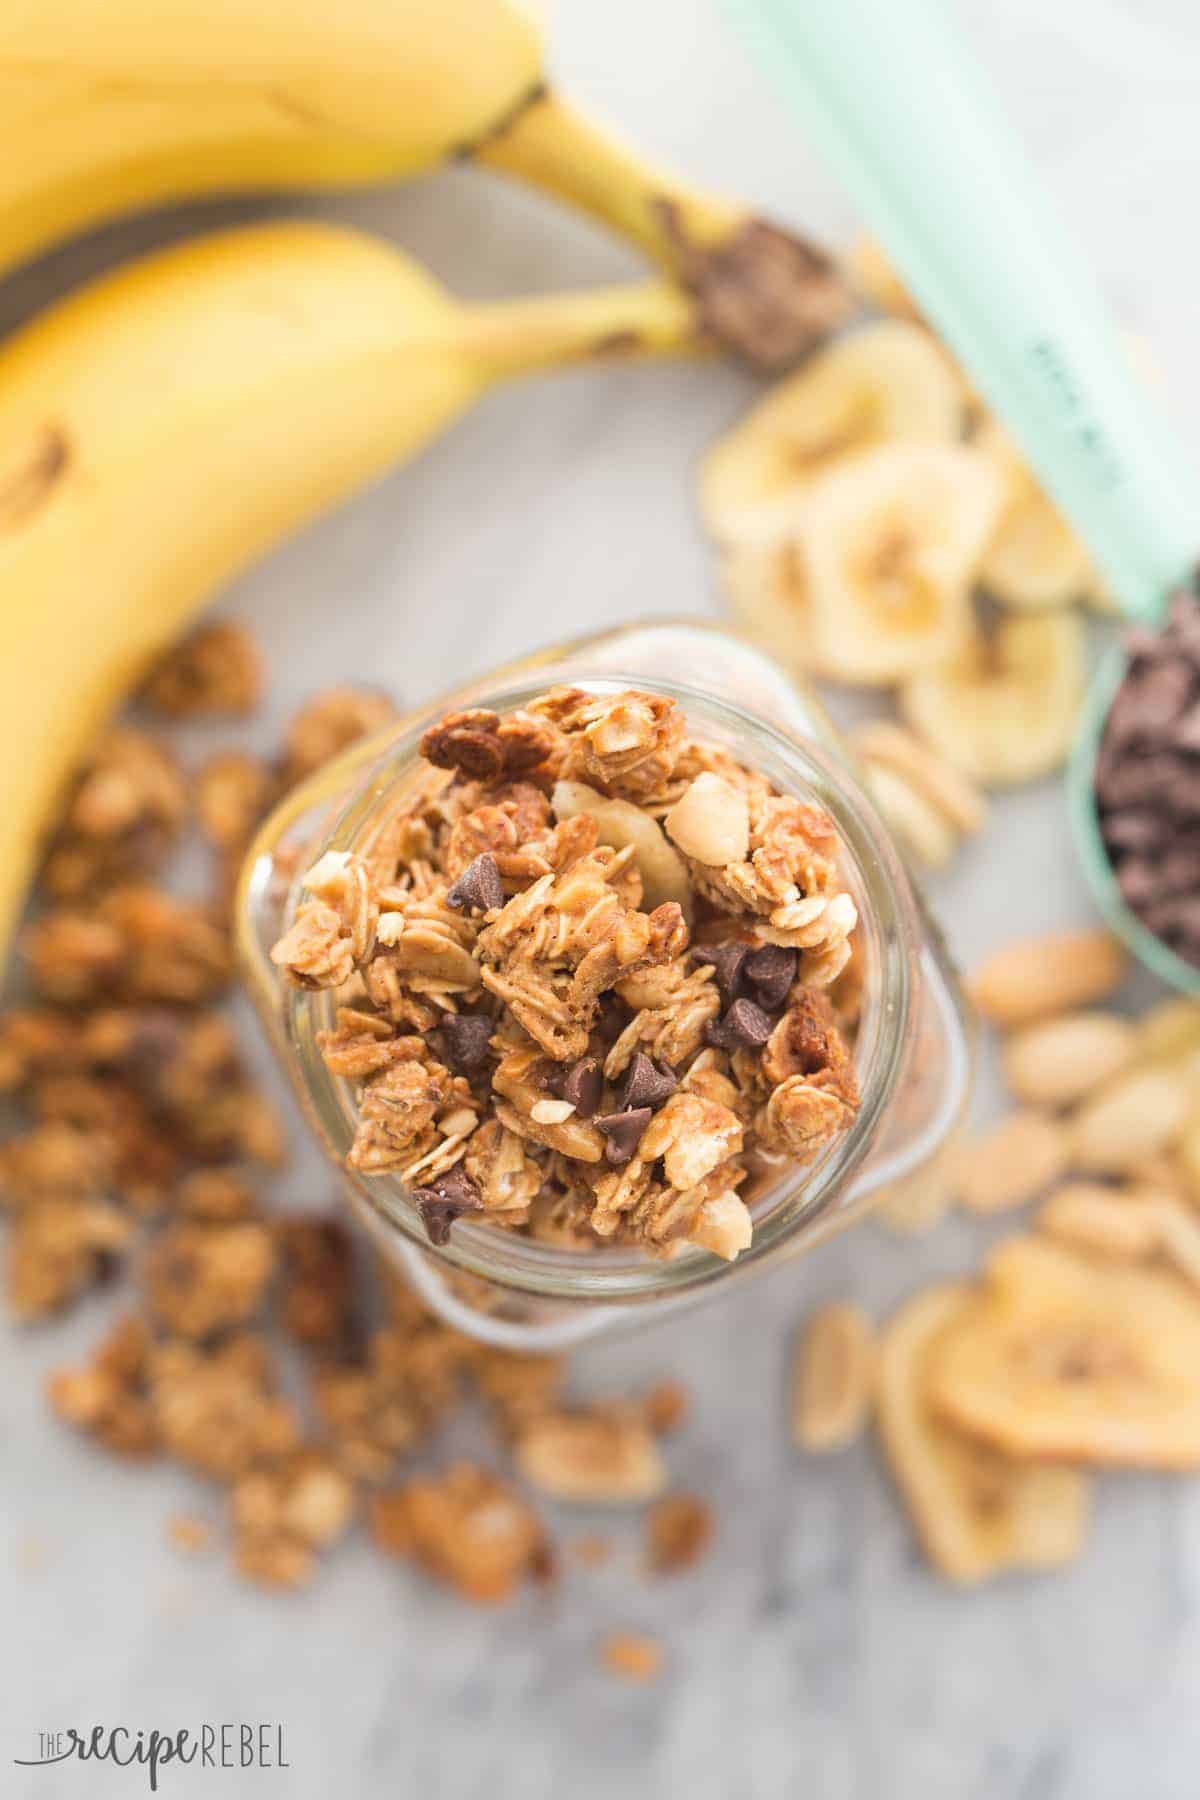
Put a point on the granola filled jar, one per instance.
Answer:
(640, 1150)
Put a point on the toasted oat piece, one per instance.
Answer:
(1012, 1163)
(833, 1377)
(976, 1512)
(1064, 1356)
(1035, 978)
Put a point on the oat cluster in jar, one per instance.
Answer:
(593, 978)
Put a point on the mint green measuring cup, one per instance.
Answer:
(900, 111)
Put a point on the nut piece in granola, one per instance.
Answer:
(833, 1377)
(976, 1511)
(1065, 1356)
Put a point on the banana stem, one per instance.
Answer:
(513, 337)
(764, 293)
(547, 142)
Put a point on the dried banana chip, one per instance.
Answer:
(833, 1377)
(892, 538)
(1012, 1163)
(1067, 1357)
(921, 830)
(884, 382)
(946, 789)
(1003, 709)
(975, 1511)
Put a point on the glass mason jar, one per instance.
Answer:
(912, 1052)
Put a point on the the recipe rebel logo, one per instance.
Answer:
(234, 1746)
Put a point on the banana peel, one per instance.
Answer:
(107, 109)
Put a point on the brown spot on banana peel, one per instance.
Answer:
(760, 291)
(617, 343)
(28, 479)
(508, 118)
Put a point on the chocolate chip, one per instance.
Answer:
(1138, 882)
(583, 1085)
(1135, 780)
(728, 961)
(445, 1200)
(467, 1037)
(478, 888)
(646, 1083)
(1135, 829)
(1179, 872)
(624, 1133)
(771, 972)
(743, 1026)
(1183, 794)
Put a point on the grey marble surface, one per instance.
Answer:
(813, 1654)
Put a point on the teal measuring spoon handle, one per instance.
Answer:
(897, 106)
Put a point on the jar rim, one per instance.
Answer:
(801, 1196)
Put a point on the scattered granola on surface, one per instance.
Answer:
(267, 1350)
(581, 977)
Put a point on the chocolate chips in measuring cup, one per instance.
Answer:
(1148, 779)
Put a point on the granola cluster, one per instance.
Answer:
(582, 977)
(266, 1350)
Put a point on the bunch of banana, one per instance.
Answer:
(140, 102)
(863, 509)
(163, 427)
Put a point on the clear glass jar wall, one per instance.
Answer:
(912, 1052)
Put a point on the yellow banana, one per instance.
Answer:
(106, 108)
(163, 427)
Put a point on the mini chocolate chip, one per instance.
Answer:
(444, 1200)
(468, 1038)
(1136, 780)
(1138, 882)
(743, 1026)
(1182, 795)
(624, 1133)
(1135, 829)
(583, 1085)
(646, 1084)
(478, 888)
(1179, 872)
(771, 972)
(728, 961)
